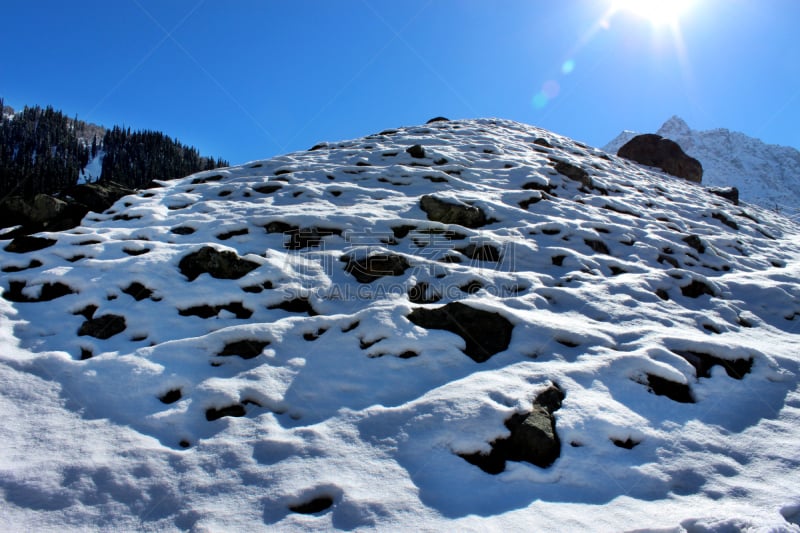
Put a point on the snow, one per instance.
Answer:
(765, 174)
(91, 172)
(333, 410)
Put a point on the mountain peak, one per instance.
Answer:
(674, 126)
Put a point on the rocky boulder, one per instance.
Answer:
(452, 213)
(533, 436)
(655, 151)
(485, 333)
(220, 265)
(60, 212)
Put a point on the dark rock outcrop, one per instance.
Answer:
(103, 327)
(60, 212)
(452, 213)
(729, 193)
(25, 243)
(416, 151)
(485, 333)
(655, 151)
(221, 265)
(375, 266)
(533, 436)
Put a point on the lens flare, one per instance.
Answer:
(657, 12)
(568, 66)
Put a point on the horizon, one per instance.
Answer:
(253, 81)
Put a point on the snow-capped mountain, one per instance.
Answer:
(467, 325)
(765, 174)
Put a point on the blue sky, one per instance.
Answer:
(248, 79)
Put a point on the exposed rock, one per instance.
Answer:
(541, 141)
(725, 219)
(34, 263)
(97, 196)
(574, 173)
(679, 392)
(56, 214)
(246, 349)
(533, 437)
(695, 242)
(484, 332)
(416, 151)
(655, 151)
(702, 363)
(103, 327)
(171, 396)
(231, 410)
(438, 119)
(49, 291)
(729, 193)
(208, 311)
(452, 213)
(221, 265)
(183, 230)
(25, 244)
(481, 252)
(137, 291)
(317, 505)
(375, 266)
(627, 444)
(697, 288)
(296, 305)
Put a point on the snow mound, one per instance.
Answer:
(340, 338)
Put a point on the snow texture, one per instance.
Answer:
(765, 174)
(287, 393)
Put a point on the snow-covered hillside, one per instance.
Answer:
(342, 337)
(765, 174)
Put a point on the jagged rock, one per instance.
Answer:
(221, 265)
(103, 327)
(452, 213)
(97, 196)
(655, 151)
(574, 173)
(533, 436)
(416, 151)
(484, 332)
(729, 193)
(375, 266)
(56, 214)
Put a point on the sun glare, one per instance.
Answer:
(657, 12)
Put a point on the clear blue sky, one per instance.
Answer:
(249, 79)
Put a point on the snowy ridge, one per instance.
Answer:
(765, 174)
(223, 400)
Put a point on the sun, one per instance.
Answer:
(657, 12)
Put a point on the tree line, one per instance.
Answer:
(44, 151)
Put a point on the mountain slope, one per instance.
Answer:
(332, 338)
(765, 174)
